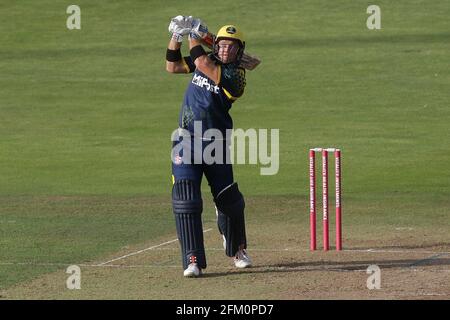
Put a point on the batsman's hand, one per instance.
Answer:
(180, 26)
(199, 29)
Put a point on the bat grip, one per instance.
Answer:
(209, 40)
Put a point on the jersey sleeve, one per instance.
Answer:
(232, 81)
(188, 64)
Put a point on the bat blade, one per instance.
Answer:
(249, 62)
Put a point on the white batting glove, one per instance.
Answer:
(172, 26)
(181, 25)
(177, 37)
(199, 29)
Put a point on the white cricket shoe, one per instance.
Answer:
(242, 260)
(192, 271)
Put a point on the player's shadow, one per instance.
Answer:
(434, 246)
(437, 260)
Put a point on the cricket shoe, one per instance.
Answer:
(192, 271)
(242, 260)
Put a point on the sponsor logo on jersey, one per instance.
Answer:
(203, 82)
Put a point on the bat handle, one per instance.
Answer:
(209, 39)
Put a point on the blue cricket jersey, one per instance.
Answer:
(210, 102)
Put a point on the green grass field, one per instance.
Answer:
(85, 123)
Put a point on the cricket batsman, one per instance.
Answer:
(217, 82)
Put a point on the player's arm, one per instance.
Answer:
(175, 63)
(179, 26)
(201, 60)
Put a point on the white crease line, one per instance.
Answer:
(143, 250)
(396, 251)
(331, 251)
(158, 247)
(332, 267)
(59, 264)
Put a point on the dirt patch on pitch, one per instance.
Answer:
(414, 263)
(278, 273)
